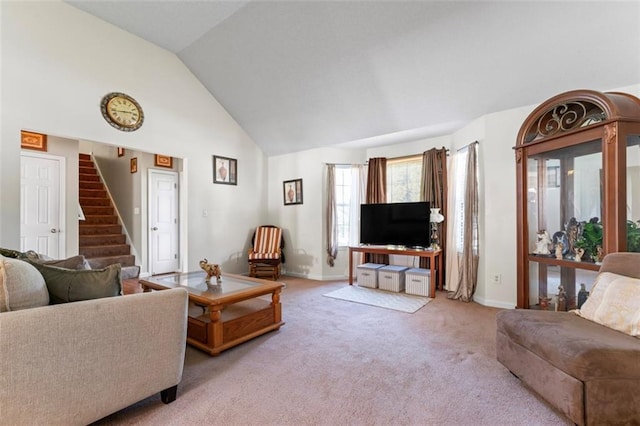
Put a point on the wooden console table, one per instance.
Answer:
(433, 256)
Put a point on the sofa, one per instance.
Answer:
(585, 363)
(76, 362)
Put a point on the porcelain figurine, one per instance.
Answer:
(559, 248)
(543, 242)
(212, 270)
(579, 252)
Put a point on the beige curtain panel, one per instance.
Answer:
(377, 193)
(332, 229)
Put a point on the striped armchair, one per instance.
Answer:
(266, 256)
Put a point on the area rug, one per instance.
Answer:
(383, 299)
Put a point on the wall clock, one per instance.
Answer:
(122, 111)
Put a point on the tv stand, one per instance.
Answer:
(433, 256)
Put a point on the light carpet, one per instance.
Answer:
(383, 299)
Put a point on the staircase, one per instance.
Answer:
(101, 239)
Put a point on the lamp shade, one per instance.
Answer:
(436, 216)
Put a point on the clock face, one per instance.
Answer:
(122, 111)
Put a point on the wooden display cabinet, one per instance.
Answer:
(578, 184)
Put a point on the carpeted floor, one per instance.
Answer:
(341, 363)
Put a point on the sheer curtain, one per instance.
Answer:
(433, 188)
(358, 192)
(332, 229)
(466, 225)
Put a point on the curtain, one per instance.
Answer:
(377, 193)
(451, 263)
(332, 229)
(469, 253)
(358, 196)
(433, 188)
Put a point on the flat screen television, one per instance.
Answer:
(403, 224)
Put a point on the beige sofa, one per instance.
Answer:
(75, 363)
(589, 372)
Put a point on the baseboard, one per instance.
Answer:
(144, 274)
(493, 303)
(315, 277)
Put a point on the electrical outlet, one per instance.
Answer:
(496, 279)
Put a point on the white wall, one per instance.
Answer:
(58, 63)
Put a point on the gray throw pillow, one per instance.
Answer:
(21, 286)
(67, 285)
(73, 262)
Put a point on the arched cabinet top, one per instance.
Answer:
(575, 110)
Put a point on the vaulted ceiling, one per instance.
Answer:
(303, 74)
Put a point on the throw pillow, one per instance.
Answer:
(73, 262)
(67, 285)
(614, 302)
(21, 286)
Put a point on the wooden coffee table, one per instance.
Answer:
(224, 315)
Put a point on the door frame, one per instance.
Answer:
(178, 201)
(62, 196)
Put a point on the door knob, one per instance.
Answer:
(54, 230)
(155, 228)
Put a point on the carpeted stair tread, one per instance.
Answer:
(101, 262)
(99, 229)
(92, 201)
(100, 239)
(88, 178)
(93, 193)
(105, 250)
(97, 210)
(91, 185)
(100, 219)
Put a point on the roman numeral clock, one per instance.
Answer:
(122, 111)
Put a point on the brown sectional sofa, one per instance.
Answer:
(589, 372)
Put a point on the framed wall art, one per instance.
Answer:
(134, 164)
(292, 190)
(30, 140)
(120, 151)
(225, 170)
(163, 161)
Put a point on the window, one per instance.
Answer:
(403, 179)
(343, 203)
(461, 173)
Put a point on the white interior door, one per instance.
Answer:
(42, 204)
(163, 222)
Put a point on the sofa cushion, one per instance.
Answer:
(579, 347)
(21, 286)
(67, 285)
(73, 262)
(614, 302)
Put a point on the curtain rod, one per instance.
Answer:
(346, 164)
(467, 146)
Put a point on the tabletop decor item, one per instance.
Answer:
(212, 270)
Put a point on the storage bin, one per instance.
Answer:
(417, 281)
(391, 278)
(367, 274)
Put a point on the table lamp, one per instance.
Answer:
(435, 218)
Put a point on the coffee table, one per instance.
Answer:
(224, 315)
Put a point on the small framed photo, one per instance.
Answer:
(292, 192)
(134, 164)
(30, 140)
(163, 161)
(120, 151)
(225, 170)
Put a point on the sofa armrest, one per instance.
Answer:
(78, 362)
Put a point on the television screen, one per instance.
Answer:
(405, 224)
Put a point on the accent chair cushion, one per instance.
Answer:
(67, 285)
(266, 243)
(21, 286)
(615, 303)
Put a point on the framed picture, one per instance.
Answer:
(134, 164)
(120, 151)
(30, 140)
(163, 161)
(292, 190)
(225, 170)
